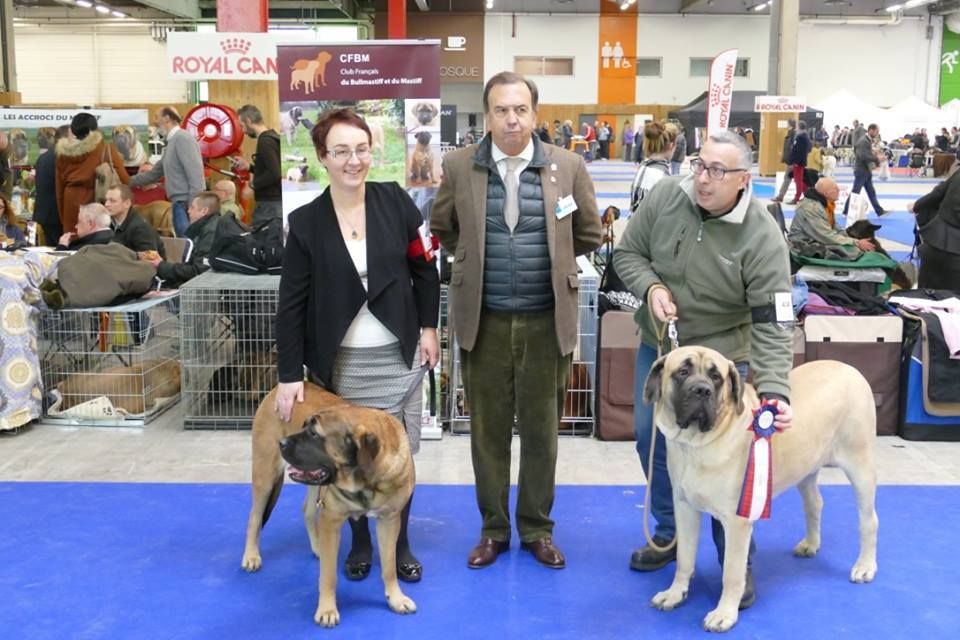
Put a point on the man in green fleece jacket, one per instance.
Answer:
(702, 250)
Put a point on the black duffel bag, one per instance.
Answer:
(240, 249)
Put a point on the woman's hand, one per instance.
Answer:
(429, 347)
(287, 393)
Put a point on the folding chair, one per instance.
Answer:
(178, 250)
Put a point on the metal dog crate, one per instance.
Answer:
(228, 348)
(110, 366)
(577, 418)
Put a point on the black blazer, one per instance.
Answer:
(321, 292)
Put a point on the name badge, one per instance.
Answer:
(783, 303)
(565, 206)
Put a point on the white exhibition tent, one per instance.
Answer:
(913, 113)
(843, 107)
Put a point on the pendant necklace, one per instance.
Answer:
(353, 230)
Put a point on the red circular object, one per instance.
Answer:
(216, 127)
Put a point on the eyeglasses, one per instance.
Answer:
(715, 173)
(342, 154)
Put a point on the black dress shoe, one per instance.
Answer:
(545, 552)
(486, 552)
(749, 592)
(646, 558)
(409, 571)
(356, 569)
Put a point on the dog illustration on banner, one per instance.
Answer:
(421, 162)
(129, 145)
(307, 72)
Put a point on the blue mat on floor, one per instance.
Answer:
(163, 561)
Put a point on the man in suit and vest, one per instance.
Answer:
(515, 213)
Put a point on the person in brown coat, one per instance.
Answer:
(77, 158)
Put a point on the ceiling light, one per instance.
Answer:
(102, 9)
(761, 6)
(489, 4)
(86, 4)
(117, 14)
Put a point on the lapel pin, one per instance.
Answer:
(553, 178)
(553, 167)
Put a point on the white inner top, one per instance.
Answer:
(365, 330)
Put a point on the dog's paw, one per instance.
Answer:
(719, 620)
(327, 617)
(669, 599)
(251, 561)
(805, 549)
(863, 572)
(401, 604)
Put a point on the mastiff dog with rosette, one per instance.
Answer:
(704, 411)
(357, 462)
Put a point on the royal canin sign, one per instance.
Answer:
(222, 56)
(781, 104)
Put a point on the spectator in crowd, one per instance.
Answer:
(181, 167)
(845, 139)
(679, 149)
(815, 160)
(835, 137)
(604, 136)
(6, 175)
(627, 139)
(557, 133)
(266, 165)
(815, 223)
(147, 193)
(659, 141)
(943, 140)
(45, 211)
(92, 227)
(9, 229)
(204, 216)
(865, 163)
(785, 158)
(857, 133)
(78, 156)
(667, 256)
(544, 132)
(369, 348)
(567, 133)
(129, 228)
(798, 159)
(938, 216)
(515, 312)
(590, 135)
(954, 137)
(226, 190)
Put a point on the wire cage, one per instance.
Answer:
(578, 407)
(228, 348)
(110, 366)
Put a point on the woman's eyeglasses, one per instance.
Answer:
(342, 154)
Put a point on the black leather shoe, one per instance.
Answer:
(646, 558)
(749, 592)
(486, 552)
(409, 571)
(545, 552)
(356, 569)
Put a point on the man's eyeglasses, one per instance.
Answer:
(342, 154)
(715, 173)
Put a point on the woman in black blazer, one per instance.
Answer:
(359, 301)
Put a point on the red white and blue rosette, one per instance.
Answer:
(757, 490)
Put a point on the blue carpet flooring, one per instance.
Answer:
(82, 561)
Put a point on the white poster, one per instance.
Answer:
(720, 91)
(222, 56)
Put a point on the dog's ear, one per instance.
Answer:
(367, 449)
(736, 387)
(653, 385)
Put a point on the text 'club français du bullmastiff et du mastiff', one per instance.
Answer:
(357, 462)
(704, 412)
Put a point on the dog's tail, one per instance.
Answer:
(273, 497)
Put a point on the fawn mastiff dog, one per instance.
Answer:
(357, 462)
(704, 410)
